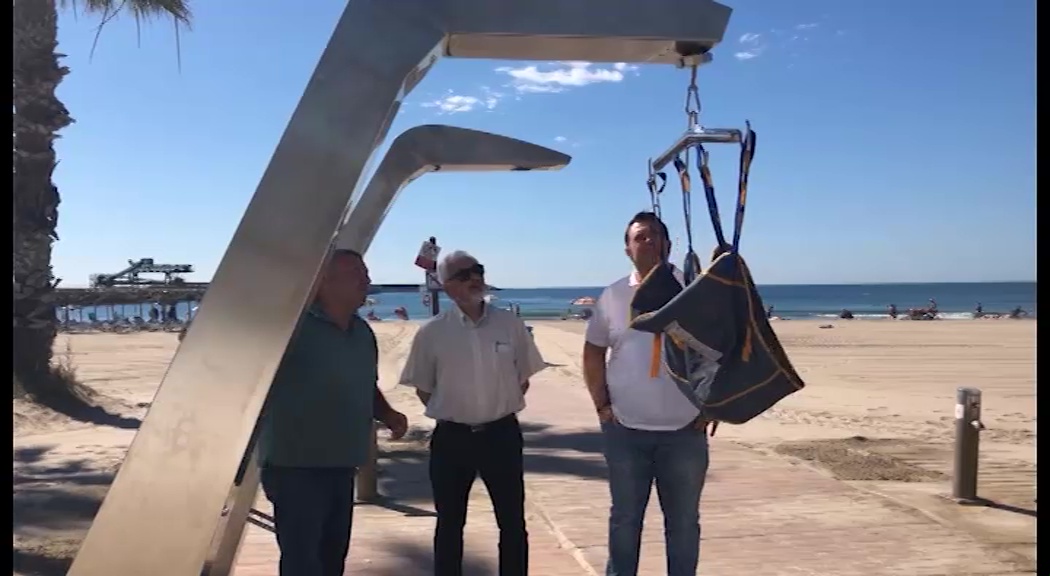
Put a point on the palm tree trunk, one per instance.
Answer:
(38, 116)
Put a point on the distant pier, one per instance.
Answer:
(166, 294)
(121, 295)
(127, 287)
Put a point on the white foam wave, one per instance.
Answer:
(883, 316)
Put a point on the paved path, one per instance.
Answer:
(761, 514)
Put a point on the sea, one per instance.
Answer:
(956, 301)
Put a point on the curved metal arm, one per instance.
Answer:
(430, 148)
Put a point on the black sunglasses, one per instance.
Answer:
(464, 274)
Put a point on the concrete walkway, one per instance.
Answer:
(761, 514)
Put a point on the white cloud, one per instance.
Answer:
(809, 26)
(452, 103)
(566, 142)
(557, 77)
(754, 47)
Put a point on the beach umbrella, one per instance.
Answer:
(583, 301)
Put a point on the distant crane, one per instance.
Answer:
(130, 275)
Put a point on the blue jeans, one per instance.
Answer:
(677, 461)
(313, 512)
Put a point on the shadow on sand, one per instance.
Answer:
(61, 498)
(54, 502)
(403, 465)
(80, 403)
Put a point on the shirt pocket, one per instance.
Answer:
(504, 360)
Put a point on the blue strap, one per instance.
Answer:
(709, 194)
(747, 154)
(691, 266)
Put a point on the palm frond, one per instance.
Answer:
(140, 10)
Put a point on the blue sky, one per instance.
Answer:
(897, 144)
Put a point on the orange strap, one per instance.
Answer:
(745, 353)
(654, 361)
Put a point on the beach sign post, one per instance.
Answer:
(428, 254)
(430, 278)
(163, 509)
(427, 260)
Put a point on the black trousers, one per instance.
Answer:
(313, 511)
(458, 454)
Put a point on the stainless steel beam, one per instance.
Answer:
(433, 148)
(163, 507)
(415, 152)
(233, 519)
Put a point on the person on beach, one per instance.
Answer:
(651, 433)
(470, 366)
(316, 425)
(1018, 312)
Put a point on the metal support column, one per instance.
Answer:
(968, 428)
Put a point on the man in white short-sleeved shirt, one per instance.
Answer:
(652, 432)
(471, 366)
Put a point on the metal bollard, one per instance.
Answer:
(367, 476)
(968, 428)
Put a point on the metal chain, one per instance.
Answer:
(692, 100)
(692, 112)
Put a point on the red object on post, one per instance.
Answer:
(428, 253)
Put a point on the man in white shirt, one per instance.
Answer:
(652, 432)
(471, 366)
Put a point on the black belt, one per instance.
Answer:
(479, 427)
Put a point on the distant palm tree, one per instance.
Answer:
(38, 116)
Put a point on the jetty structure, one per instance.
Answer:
(132, 285)
(129, 286)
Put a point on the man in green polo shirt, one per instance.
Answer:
(316, 428)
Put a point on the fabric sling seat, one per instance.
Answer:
(712, 334)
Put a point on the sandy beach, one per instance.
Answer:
(877, 412)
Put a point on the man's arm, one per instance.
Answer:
(420, 370)
(594, 374)
(380, 406)
(597, 340)
(382, 411)
(527, 357)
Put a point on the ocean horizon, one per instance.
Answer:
(955, 300)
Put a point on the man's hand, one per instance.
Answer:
(605, 414)
(396, 422)
(701, 424)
